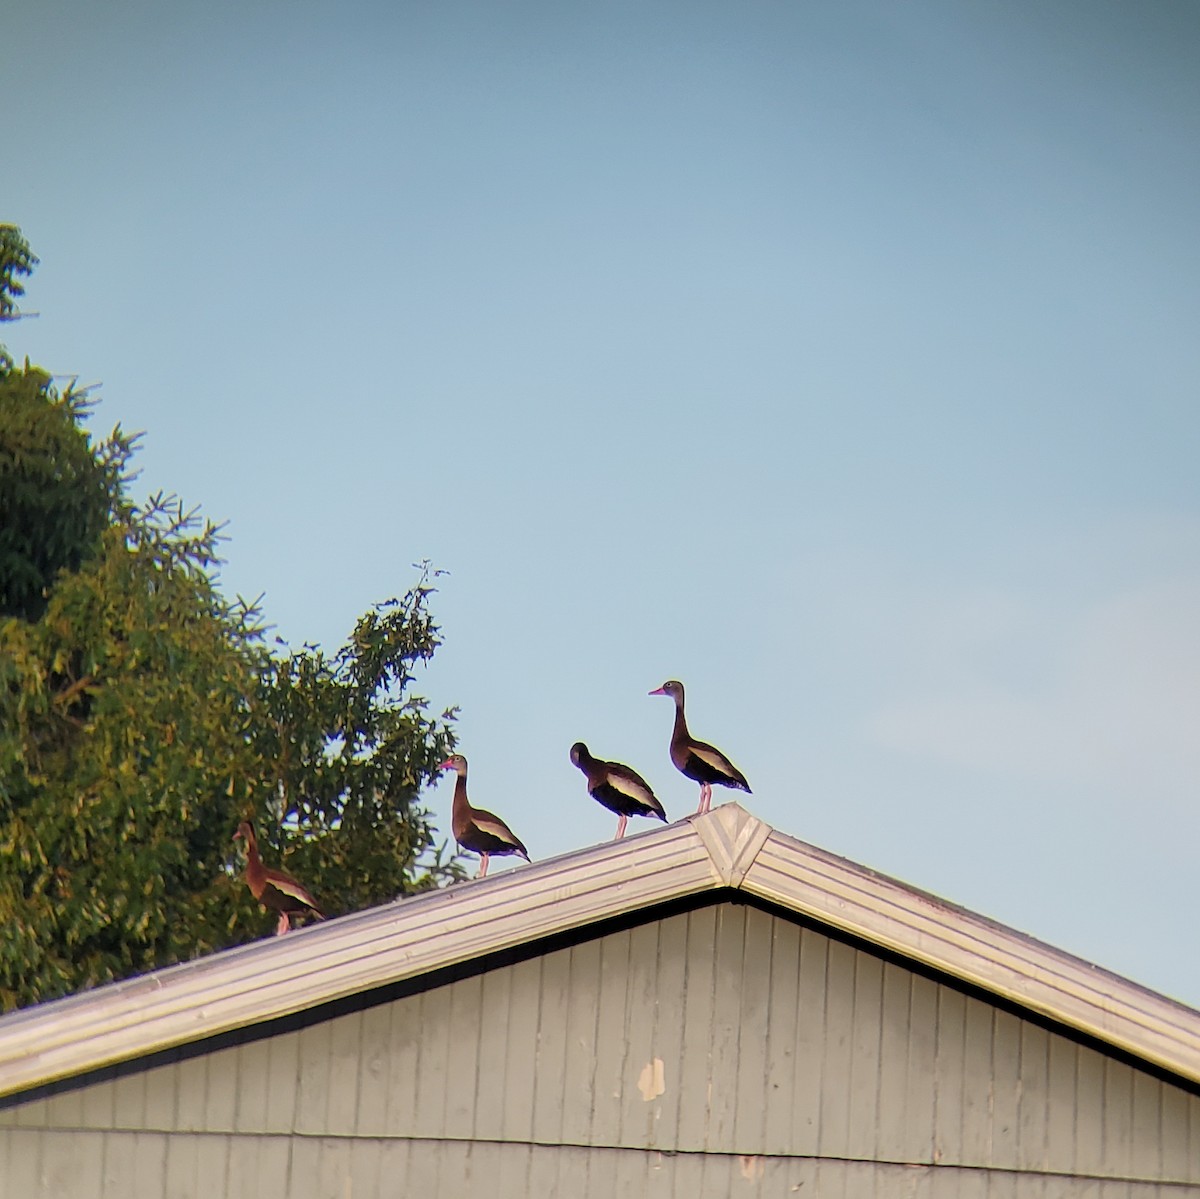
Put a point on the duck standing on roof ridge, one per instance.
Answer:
(619, 788)
(274, 889)
(697, 759)
(475, 830)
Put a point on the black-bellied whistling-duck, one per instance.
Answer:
(697, 759)
(618, 788)
(275, 889)
(475, 830)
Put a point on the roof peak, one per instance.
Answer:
(733, 838)
(726, 848)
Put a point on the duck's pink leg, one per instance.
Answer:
(621, 827)
(283, 925)
(483, 861)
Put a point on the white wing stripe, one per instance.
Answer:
(714, 757)
(294, 889)
(629, 787)
(495, 827)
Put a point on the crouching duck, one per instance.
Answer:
(620, 789)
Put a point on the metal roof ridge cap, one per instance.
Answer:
(733, 838)
(1126, 1015)
(46, 1030)
(985, 931)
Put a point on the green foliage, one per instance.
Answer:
(142, 716)
(15, 259)
(58, 492)
(351, 750)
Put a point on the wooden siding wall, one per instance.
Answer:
(721, 1052)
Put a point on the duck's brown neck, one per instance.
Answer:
(681, 729)
(254, 866)
(462, 806)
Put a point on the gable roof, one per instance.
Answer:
(726, 848)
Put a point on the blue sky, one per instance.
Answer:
(837, 359)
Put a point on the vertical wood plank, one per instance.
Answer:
(617, 1120)
(751, 1095)
(951, 1029)
(97, 1106)
(808, 1078)
(283, 1083)
(32, 1114)
(543, 1172)
(658, 1176)
(1089, 1126)
(961, 1184)
(1033, 1114)
(978, 1074)
(150, 1165)
(892, 1140)
(838, 1051)
(212, 1160)
(830, 1181)
(306, 1156)
(220, 1095)
(866, 1035)
(668, 1039)
(1061, 1104)
(183, 1176)
(1004, 1186)
(697, 1000)
(628, 1172)
(1118, 1118)
(467, 1030)
(393, 1171)
(494, 1046)
(1176, 1160)
(640, 983)
(551, 1047)
(312, 1089)
(191, 1094)
(375, 1031)
(65, 1109)
(920, 1109)
(433, 1049)
(73, 1164)
(241, 1170)
(781, 1037)
(482, 1168)
(1006, 1088)
(368, 1154)
(1194, 1127)
(425, 1175)
(571, 1172)
(512, 1175)
(20, 1161)
(520, 1069)
(334, 1175)
(1146, 1144)
(345, 1058)
(579, 1044)
(270, 1174)
(250, 1108)
(162, 1086)
(403, 1061)
(129, 1099)
(724, 1045)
